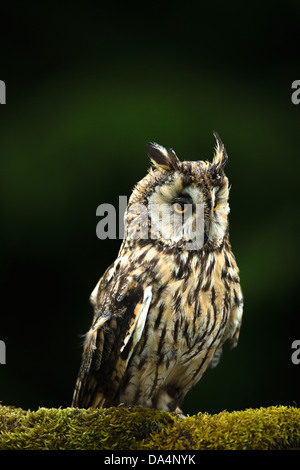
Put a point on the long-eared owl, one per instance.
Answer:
(164, 308)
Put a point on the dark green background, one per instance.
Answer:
(87, 88)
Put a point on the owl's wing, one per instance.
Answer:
(234, 325)
(236, 314)
(116, 329)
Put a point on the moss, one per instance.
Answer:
(276, 427)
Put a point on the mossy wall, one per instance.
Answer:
(136, 428)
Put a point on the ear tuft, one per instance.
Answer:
(220, 157)
(163, 158)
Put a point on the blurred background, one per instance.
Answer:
(87, 87)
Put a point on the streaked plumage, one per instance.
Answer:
(163, 311)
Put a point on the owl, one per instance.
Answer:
(165, 307)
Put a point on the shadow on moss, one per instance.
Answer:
(137, 428)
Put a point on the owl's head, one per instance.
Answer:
(181, 204)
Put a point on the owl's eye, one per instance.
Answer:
(216, 206)
(180, 207)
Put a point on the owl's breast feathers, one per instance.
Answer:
(159, 322)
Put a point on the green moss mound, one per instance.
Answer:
(137, 428)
